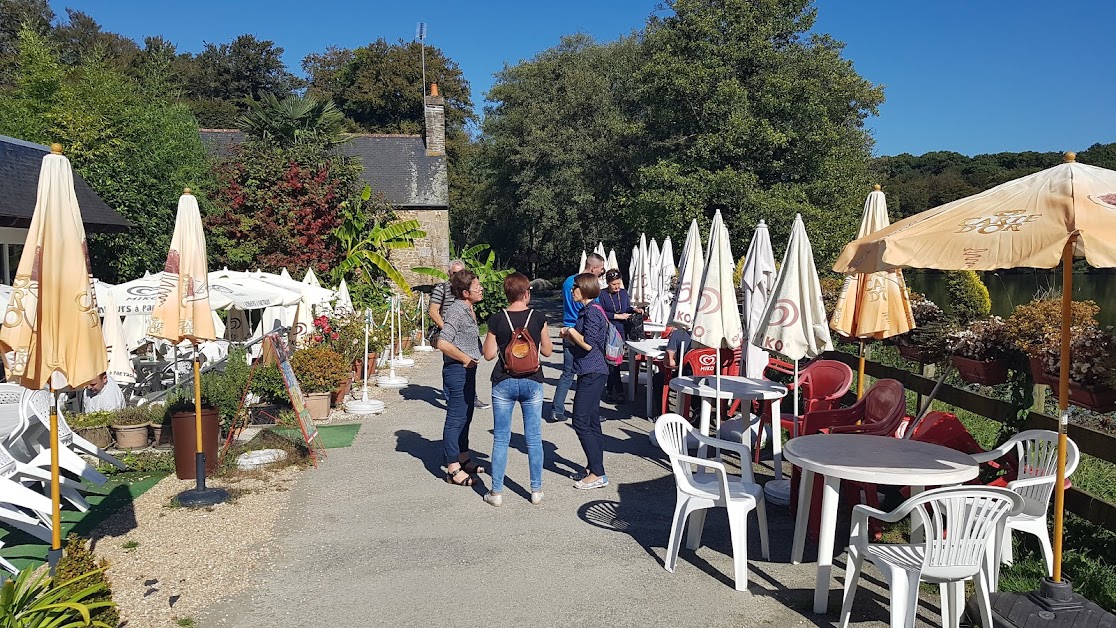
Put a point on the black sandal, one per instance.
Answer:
(468, 481)
(472, 467)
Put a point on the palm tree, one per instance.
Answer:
(365, 249)
(293, 120)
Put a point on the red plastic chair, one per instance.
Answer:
(823, 384)
(700, 363)
(879, 413)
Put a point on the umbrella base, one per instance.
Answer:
(391, 381)
(778, 492)
(371, 406)
(403, 362)
(424, 348)
(1053, 604)
(196, 498)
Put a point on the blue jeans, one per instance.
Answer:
(565, 382)
(459, 385)
(587, 419)
(529, 394)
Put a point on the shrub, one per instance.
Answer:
(135, 415)
(78, 560)
(983, 340)
(1031, 325)
(319, 369)
(36, 599)
(90, 419)
(831, 290)
(267, 382)
(968, 296)
(932, 328)
(224, 389)
(1094, 360)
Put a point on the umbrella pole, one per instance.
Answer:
(859, 374)
(1063, 404)
(200, 495)
(795, 398)
(367, 321)
(55, 488)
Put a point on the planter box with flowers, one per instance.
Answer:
(1092, 372)
(981, 351)
(320, 372)
(925, 343)
(1034, 326)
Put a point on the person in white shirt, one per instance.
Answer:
(102, 394)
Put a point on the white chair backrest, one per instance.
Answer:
(958, 524)
(7, 464)
(671, 431)
(1038, 458)
(36, 407)
(11, 419)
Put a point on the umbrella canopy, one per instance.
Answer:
(600, 250)
(689, 279)
(311, 294)
(756, 282)
(717, 320)
(51, 325)
(237, 329)
(633, 268)
(344, 304)
(182, 311)
(245, 292)
(663, 274)
(612, 263)
(283, 274)
(873, 305)
(311, 278)
(581, 264)
(640, 291)
(119, 358)
(794, 321)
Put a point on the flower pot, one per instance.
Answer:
(100, 436)
(160, 434)
(185, 445)
(318, 405)
(1039, 374)
(1097, 399)
(130, 436)
(337, 397)
(406, 342)
(358, 366)
(914, 354)
(986, 373)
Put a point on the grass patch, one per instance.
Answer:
(130, 545)
(185, 622)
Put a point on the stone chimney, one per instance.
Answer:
(435, 113)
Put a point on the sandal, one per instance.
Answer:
(468, 481)
(472, 467)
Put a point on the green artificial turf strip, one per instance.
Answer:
(332, 436)
(118, 493)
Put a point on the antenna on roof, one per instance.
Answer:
(420, 34)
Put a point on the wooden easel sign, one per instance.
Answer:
(275, 345)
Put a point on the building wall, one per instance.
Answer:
(432, 251)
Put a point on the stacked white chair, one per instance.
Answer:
(711, 487)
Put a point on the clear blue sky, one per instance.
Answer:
(972, 76)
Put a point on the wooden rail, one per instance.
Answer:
(1090, 441)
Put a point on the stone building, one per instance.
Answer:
(411, 173)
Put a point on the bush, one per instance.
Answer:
(968, 296)
(224, 389)
(1094, 356)
(76, 561)
(831, 290)
(267, 382)
(319, 369)
(90, 419)
(983, 340)
(36, 599)
(1031, 325)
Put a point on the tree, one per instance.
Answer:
(224, 76)
(81, 37)
(15, 15)
(293, 120)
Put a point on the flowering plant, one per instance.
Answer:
(1093, 361)
(323, 331)
(983, 340)
(319, 369)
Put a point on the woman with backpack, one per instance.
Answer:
(589, 343)
(516, 337)
(618, 308)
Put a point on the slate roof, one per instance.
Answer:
(395, 165)
(20, 163)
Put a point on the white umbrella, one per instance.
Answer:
(344, 304)
(684, 306)
(238, 329)
(581, 264)
(119, 359)
(756, 282)
(664, 273)
(311, 294)
(612, 263)
(633, 269)
(283, 273)
(248, 293)
(655, 260)
(600, 250)
(311, 278)
(640, 291)
(135, 331)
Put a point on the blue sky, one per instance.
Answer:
(974, 77)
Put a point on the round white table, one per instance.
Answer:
(860, 458)
(652, 349)
(731, 387)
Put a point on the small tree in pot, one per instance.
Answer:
(320, 371)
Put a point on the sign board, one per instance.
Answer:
(282, 355)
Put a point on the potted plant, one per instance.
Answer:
(320, 372)
(183, 418)
(1092, 374)
(268, 388)
(129, 427)
(224, 389)
(925, 343)
(161, 431)
(981, 350)
(1032, 325)
(93, 427)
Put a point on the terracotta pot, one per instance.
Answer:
(318, 405)
(1097, 399)
(337, 397)
(1039, 374)
(358, 366)
(185, 445)
(130, 436)
(986, 373)
(160, 434)
(407, 342)
(100, 436)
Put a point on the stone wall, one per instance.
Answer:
(432, 251)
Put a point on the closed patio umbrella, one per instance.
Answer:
(183, 313)
(119, 357)
(1036, 221)
(872, 305)
(51, 329)
(660, 309)
(756, 282)
(344, 305)
(311, 278)
(237, 329)
(581, 264)
(612, 263)
(686, 291)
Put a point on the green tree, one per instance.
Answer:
(224, 77)
(968, 296)
(15, 15)
(81, 37)
(293, 120)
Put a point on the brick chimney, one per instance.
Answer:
(435, 113)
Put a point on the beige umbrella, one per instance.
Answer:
(183, 313)
(238, 329)
(119, 358)
(51, 325)
(872, 305)
(1036, 221)
(684, 305)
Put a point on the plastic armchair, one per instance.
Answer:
(959, 524)
(879, 412)
(823, 383)
(697, 492)
(36, 409)
(1036, 474)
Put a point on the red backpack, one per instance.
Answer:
(521, 355)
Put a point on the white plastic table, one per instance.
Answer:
(652, 349)
(860, 458)
(655, 329)
(732, 387)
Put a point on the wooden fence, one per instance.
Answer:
(1090, 441)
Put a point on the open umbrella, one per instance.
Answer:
(756, 282)
(872, 305)
(690, 271)
(1036, 221)
(183, 313)
(51, 330)
(119, 357)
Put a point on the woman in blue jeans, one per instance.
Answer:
(510, 386)
(459, 342)
(589, 336)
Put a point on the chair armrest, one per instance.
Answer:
(861, 510)
(994, 454)
(742, 450)
(813, 422)
(1049, 479)
(718, 467)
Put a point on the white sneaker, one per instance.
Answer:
(600, 482)
(494, 499)
(536, 497)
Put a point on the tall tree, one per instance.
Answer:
(14, 16)
(223, 77)
(80, 37)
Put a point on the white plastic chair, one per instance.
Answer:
(36, 407)
(1037, 451)
(959, 525)
(12, 423)
(15, 496)
(697, 492)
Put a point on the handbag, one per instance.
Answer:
(633, 327)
